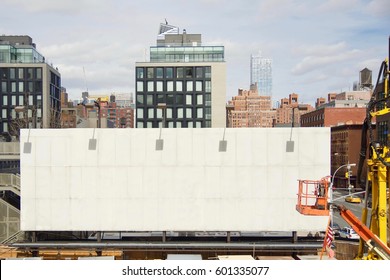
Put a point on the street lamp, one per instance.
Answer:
(348, 165)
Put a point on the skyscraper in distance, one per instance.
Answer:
(261, 74)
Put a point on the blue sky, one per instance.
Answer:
(317, 46)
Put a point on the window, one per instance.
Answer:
(159, 73)
(5, 100)
(207, 72)
(30, 86)
(179, 99)
(140, 124)
(4, 87)
(140, 86)
(188, 99)
(5, 127)
(170, 99)
(179, 86)
(159, 86)
(169, 113)
(12, 73)
(150, 86)
(189, 113)
(159, 113)
(199, 86)
(169, 73)
(38, 86)
(207, 85)
(21, 87)
(21, 100)
(140, 113)
(140, 73)
(13, 100)
(4, 113)
(199, 99)
(199, 72)
(180, 113)
(140, 99)
(20, 73)
(199, 113)
(189, 72)
(13, 86)
(149, 99)
(160, 98)
(151, 113)
(39, 73)
(150, 73)
(179, 73)
(30, 73)
(207, 98)
(190, 86)
(208, 113)
(170, 86)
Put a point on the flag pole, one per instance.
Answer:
(325, 238)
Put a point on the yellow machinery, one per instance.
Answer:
(374, 242)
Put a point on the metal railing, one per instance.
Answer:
(10, 182)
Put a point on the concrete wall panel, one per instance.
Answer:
(125, 184)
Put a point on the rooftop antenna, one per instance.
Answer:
(166, 22)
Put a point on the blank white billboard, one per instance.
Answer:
(125, 184)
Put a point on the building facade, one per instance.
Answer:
(289, 111)
(330, 116)
(249, 109)
(30, 88)
(187, 78)
(261, 74)
(345, 148)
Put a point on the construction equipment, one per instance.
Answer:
(374, 243)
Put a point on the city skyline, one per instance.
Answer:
(316, 47)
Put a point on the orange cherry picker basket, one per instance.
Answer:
(313, 197)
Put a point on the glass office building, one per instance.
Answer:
(261, 74)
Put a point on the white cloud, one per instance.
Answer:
(321, 56)
(67, 7)
(379, 8)
(331, 6)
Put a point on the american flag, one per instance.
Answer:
(329, 237)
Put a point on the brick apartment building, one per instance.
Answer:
(249, 109)
(330, 116)
(290, 111)
(345, 148)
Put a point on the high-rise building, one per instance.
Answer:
(261, 74)
(184, 82)
(30, 92)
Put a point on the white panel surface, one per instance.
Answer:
(125, 184)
